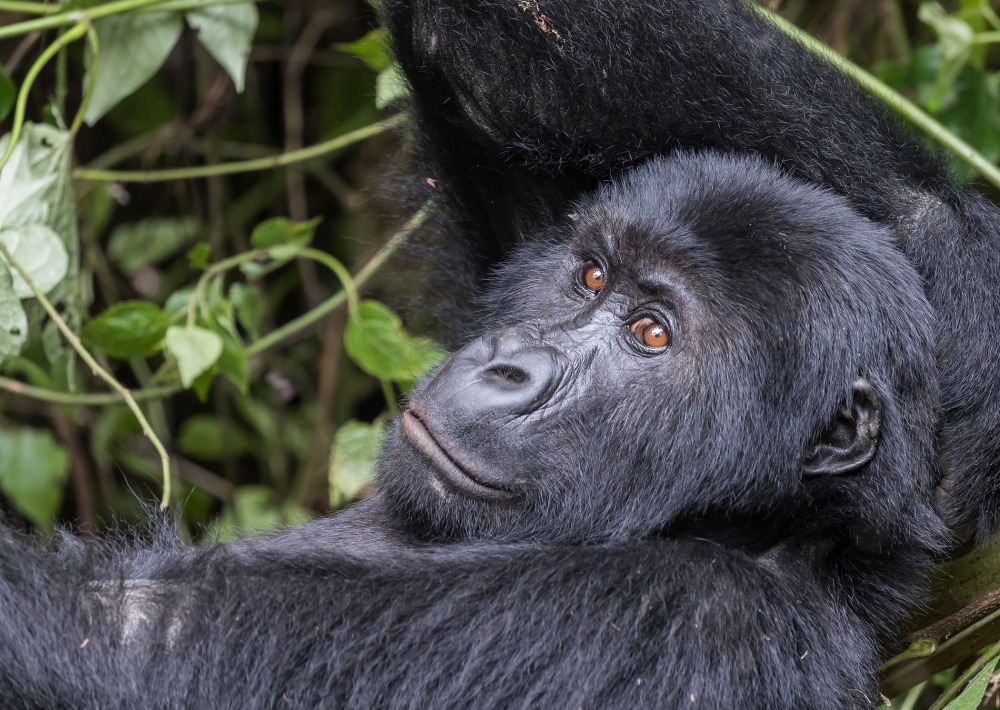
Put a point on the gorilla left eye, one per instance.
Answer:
(591, 276)
(650, 333)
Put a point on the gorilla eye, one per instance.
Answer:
(649, 333)
(591, 276)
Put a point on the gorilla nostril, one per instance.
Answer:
(507, 374)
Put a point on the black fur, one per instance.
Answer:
(606, 524)
(567, 517)
(524, 103)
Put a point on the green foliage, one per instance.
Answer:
(127, 329)
(376, 341)
(33, 468)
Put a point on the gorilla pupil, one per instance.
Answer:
(592, 276)
(650, 333)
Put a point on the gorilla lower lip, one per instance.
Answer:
(426, 443)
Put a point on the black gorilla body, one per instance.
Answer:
(526, 103)
(645, 485)
(686, 453)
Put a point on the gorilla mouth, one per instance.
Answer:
(420, 435)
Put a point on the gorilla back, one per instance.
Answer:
(686, 462)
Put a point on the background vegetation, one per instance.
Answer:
(196, 203)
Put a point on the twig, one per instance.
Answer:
(96, 368)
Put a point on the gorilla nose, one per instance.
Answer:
(511, 371)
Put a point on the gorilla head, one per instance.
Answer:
(706, 338)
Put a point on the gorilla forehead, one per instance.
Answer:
(736, 225)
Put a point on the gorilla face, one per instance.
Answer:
(706, 336)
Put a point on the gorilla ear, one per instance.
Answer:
(850, 439)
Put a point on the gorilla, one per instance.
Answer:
(524, 104)
(686, 462)
(715, 371)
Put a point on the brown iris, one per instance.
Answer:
(591, 276)
(650, 333)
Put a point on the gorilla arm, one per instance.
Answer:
(655, 623)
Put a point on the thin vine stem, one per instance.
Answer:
(296, 325)
(29, 8)
(21, 107)
(889, 96)
(79, 16)
(96, 368)
(90, 399)
(243, 166)
(88, 89)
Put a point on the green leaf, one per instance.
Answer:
(36, 189)
(227, 32)
(282, 237)
(212, 439)
(8, 94)
(248, 303)
(195, 349)
(975, 691)
(133, 47)
(33, 469)
(198, 256)
(372, 49)
(128, 329)
(13, 320)
(150, 241)
(40, 252)
(375, 340)
(354, 459)
(390, 86)
(254, 508)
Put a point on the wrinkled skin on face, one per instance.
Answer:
(687, 345)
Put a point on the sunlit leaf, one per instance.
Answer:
(372, 49)
(281, 237)
(353, 459)
(375, 340)
(195, 350)
(227, 31)
(13, 320)
(389, 86)
(40, 252)
(133, 47)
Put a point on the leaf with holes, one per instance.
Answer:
(13, 320)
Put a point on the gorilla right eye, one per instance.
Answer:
(591, 276)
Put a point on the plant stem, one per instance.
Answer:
(76, 16)
(296, 325)
(87, 400)
(96, 368)
(29, 8)
(890, 97)
(21, 106)
(334, 265)
(244, 166)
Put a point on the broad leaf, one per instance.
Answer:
(372, 48)
(13, 320)
(128, 329)
(33, 469)
(133, 47)
(281, 237)
(40, 252)
(195, 349)
(227, 31)
(376, 341)
(354, 458)
(389, 86)
(150, 241)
